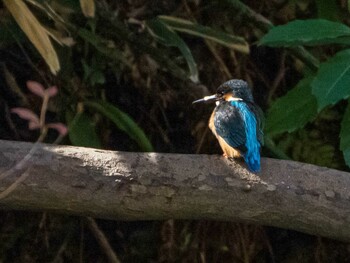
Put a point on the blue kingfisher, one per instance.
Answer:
(237, 122)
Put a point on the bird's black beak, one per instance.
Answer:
(206, 98)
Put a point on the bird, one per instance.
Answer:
(237, 122)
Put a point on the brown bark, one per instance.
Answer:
(147, 186)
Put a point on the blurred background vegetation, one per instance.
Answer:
(127, 72)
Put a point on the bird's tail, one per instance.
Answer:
(253, 161)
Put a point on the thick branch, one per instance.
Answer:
(146, 186)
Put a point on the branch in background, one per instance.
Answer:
(102, 240)
(152, 186)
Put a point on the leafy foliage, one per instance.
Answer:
(302, 109)
(38, 35)
(123, 122)
(330, 84)
(307, 32)
(308, 146)
(185, 26)
(167, 36)
(122, 71)
(82, 132)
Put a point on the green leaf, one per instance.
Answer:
(82, 132)
(332, 82)
(123, 122)
(307, 32)
(293, 110)
(165, 35)
(185, 26)
(345, 135)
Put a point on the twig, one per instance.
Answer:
(222, 64)
(25, 159)
(13, 186)
(279, 77)
(62, 249)
(102, 240)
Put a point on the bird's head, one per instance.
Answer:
(232, 90)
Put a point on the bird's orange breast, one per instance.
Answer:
(229, 152)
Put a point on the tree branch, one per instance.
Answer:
(151, 186)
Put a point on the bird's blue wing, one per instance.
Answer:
(229, 125)
(237, 123)
(259, 115)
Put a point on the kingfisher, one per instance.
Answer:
(237, 122)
